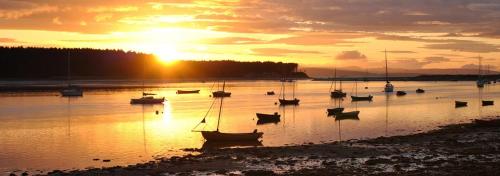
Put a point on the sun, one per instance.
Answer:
(166, 55)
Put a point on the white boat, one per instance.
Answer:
(217, 136)
(388, 86)
(71, 90)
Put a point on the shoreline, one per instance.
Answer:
(459, 149)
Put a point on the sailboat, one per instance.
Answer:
(336, 93)
(221, 93)
(71, 90)
(337, 110)
(147, 98)
(388, 86)
(480, 81)
(355, 97)
(283, 101)
(217, 136)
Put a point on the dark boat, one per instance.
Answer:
(268, 117)
(338, 94)
(334, 111)
(147, 94)
(270, 93)
(460, 104)
(388, 86)
(362, 98)
(487, 102)
(221, 94)
(289, 102)
(347, 115)
(147, 100)
(419, 90)
(188, 91)
(71, 90)
(217, 136)
(400, 93)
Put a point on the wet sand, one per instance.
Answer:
(460, 149)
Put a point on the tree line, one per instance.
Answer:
(87, 63)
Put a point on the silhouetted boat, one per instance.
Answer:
(400, 93)
(480, 80)
(334, 111)
(147, 94)
(355, 97)
(217, 136)
(347, 115)
(221, 94)
(268, 117)
(336, 93)
(71, 90)
(460, 104)
(283, 101)
(388, 86)
(147, 100)
(487, 102)
(419, 90)
(270, 93)
(188, 91)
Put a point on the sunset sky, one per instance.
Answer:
(315, 33)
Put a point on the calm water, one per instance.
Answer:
(43, 131)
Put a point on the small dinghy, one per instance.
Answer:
(188, 91)
(460, 104)
(400, 93)
(221, 94)
(147, 94)
(487, 102)
(270, 93)
(347, 115)
(268, 117)
(419, 90)
(362, 98)
(289, 102)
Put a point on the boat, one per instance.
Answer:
(221, 94)
(480, 80)
(334, 111)
(217, 136)
(188, 91)
(336, 93)
(270, 93)
(400, 93)
(460, 104)
(419, 90)
(71, 90)
(355, 97)
(268, 117)
(388, 86)
(347, 115)
(283, 101)
(487, 102)
(147, 100)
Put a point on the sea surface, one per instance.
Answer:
(42, 131)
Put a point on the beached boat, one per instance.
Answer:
(270, 93)
(400, 93)
(71, 90)
(188, 91)
(460, 104)
(419, 90)
(355, 97)
(217, 136)
(336, 93)
(487, 102)
(388, 86)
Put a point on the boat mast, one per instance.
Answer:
(293, 89)
(69, 69)
(386, 70)
(220, 107)
(143, 74)
(479, 68)
(335, 78)
(356, 87)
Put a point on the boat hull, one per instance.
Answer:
(270, 93)
(188, 91)
(400, 93)
(335, 111)
(289, 102)
(268, 117)
(487, 103)
(146, 100)
(221, 94)
(389, 87)
(460, 104)
(347, 115)
(420, 91)
(337, 94)
(356, 98)
(72, 92)
(216, 136)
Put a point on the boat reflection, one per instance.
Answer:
(209, 145)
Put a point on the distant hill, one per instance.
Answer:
(380, 72)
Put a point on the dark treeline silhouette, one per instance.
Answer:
(86, 63)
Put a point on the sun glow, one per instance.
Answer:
(166, 55)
